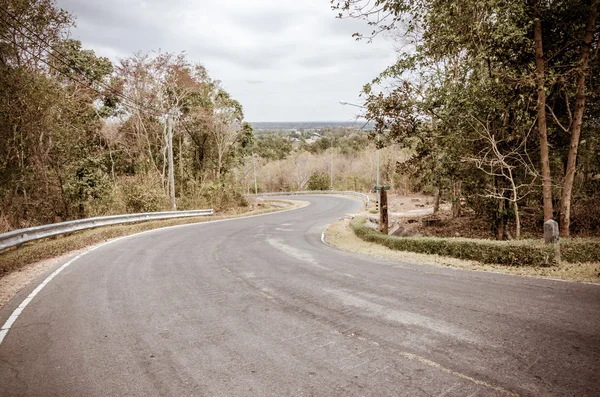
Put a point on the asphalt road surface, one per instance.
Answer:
(261, 307)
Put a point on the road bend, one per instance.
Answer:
(261, 307)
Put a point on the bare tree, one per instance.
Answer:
(224, 125)
(512, 164)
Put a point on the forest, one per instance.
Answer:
(82, 136)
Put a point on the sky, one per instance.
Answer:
(284, 60)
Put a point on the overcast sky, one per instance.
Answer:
(284, 60)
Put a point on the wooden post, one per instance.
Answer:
(383, 211)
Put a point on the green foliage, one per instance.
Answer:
(318, 181)
(142, 194)
(428, 190)
(576, 250)
(88, 183)
(273, 147)
(70, 60)
(512, 253)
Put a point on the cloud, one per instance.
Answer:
(284, 60)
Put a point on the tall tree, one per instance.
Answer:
(540, 73)
(583, 71)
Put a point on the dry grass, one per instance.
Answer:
(14, 259)
(341, 236)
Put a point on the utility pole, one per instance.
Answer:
(171, 167)
(254, 169)
(377, 203)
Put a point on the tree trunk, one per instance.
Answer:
(63, 194)
(164, 179)
(517, 221)
(541, 111)
(582, 71)
(219, 162)
(180, 166)
(436, 198)
(254, 170)
(456, 193)
(500, 221)
(171, 168)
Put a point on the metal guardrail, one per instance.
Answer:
(20, 236)
(310, 192)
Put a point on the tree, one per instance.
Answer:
(582, 72)
(512, 60)
(506, 164)
(273, 147)
(540, 74)
(318, 181)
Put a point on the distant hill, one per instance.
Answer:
(308, 125)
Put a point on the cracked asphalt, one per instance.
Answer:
(261, 307)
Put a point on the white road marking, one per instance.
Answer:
(295, 252)
(402, 316)
(17, 312)
(323, 237)
(433, 364)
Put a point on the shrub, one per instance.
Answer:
(428, 190)
(143, 193)
(513, 253)
(580, 250)
(318, 181)
(219, 195)
(585, 217)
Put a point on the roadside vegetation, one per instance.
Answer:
(512, 253)
(81, 136)
(341, 235)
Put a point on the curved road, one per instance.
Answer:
(261, 307)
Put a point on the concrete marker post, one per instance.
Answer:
(552, 236)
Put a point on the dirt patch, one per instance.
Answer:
(413, 216)
(442, 225)
(19, 267)
(340, 235)
(19, 279)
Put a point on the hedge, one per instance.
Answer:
(575, 250)
(513, 253)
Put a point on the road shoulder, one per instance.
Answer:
(340, 235)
